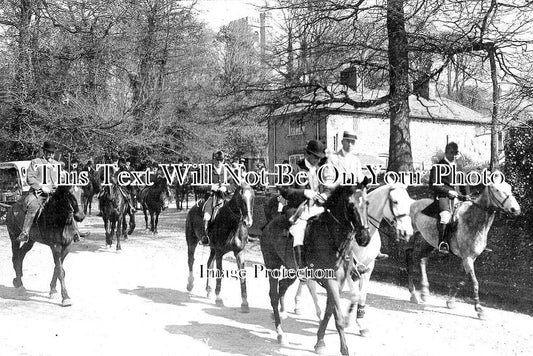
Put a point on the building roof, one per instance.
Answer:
(437, 108)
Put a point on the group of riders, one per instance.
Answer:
(298, 202)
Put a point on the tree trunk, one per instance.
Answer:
(400, 157)
(494, 161)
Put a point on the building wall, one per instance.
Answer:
(281, 144)
(427, 137)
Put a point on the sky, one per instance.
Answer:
(220, 12)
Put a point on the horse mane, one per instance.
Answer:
(54, 211)
(338, 192)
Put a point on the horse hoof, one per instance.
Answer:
(209, 295)
(66, 302)
(53, 295)
(481, 315)
(298, 311)
(283, 315)
(450, 304)
(424, 298)
(320, 348)
(190, 287)
(364, 332)
(21, 290)
(245, 308)
(282, 340)
(219, 302)
(414, 299)
(17, 283)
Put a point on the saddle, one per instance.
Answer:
(432, 210)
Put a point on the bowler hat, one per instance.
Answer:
(49, 146)
(316, 148)
(349, 135)
(218, 155)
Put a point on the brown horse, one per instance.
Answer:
(114, 208)
(89, 191)
(468, 238)
(154, 199)
(328, 248)
(54, 227)
(228, 233)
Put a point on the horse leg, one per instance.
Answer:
(59, 253)
(411, 270)
(454, 287)
(274, 302)
(298, 298)
(242, 276)
(131, 224)
(156, 222)
(320, 345)
(119, 231)
(210, 261)
(353, 301)
(152, 226)
(191, 247)
(18, 257)
(339, 318)
(424, 282)
(145, 219)
(218, 299)
(468, 264)
(311, 285)
(364, 281)
(284, 284)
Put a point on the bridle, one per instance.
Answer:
(392, 222)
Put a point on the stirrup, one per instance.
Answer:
(23, 237)
(444, 247)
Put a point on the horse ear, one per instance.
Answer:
(364, 183)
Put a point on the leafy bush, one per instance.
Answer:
(518, 167)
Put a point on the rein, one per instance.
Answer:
(375, 222)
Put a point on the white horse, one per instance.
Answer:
(467, 241)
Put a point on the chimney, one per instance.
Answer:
(349, 78)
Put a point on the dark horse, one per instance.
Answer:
(228, 233)
(54, 227)
(154, 199)
(328, 251)
(114, 208)
(89, 190)
(182, 193)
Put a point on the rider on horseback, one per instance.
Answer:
(218, 194)
(125, 190)
(302, 200)
(42, 182)
(445, 194)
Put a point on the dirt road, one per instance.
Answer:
(135, 303)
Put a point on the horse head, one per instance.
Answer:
(500, 196)
(244, 200)
(64, 205)
(349, 205)
(397, 211)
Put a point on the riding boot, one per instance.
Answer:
(28, 222)
(298, 257)
(443, 246)
(205, 237)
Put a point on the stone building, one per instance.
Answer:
(434, 122)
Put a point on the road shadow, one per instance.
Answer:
(233, 340)
(160, 295)
(387, 303)
(26, 295)
(264, 318)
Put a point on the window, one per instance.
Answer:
(294, 159)
(296, 127)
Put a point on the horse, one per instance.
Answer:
(114, 208)
(392, 203)
(276, 247)
(471, 223)
(327, 252)
(228, 233)
(54, 227)
(154, 199)
(181, 191)
(89, 190)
